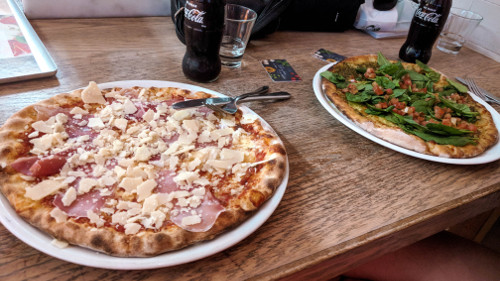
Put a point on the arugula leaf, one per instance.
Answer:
(430, 86)
(423, 105)
(373, 112)
(446, 130)
(451, 140)
(359, 97)
(458, 108)
(381, 60)
(422, 65)
(389, 69)
(387, 110)
(431, 74)
(332, 77)
(460, 87)
(415, 76)
(335, 78)
(398, 92)
(412, 127)
(364, 85)
(361, 69)
(400, 73)
(376, 99)
(385, 82)
(447, 92)
(420, 84)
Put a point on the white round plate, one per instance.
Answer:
(492, 154)
(74, 254)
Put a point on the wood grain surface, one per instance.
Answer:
(348, 199)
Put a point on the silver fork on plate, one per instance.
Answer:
(479, 92)
(232, 107)
(475, 89)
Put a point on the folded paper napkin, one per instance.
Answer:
(95, 8)
(384, 24)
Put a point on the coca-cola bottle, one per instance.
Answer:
(427, 23)
(203, 26)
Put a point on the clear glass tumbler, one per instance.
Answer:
(459, 25)
(238, 24)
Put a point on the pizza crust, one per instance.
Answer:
(106, 239)
(377, 126)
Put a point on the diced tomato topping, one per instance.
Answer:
(405, 82)
(397, 103)
(398, 111)
(438, 112)
(446, 122)
(457, 98)
(417, 90)
(381, 105)
(377, 89)
(389, 91)
(472, 127)
(352, 88)
(463, 125)
(370, 73)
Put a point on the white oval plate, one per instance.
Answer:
(74, 254)
(492, 154)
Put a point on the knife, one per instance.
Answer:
(227, 100)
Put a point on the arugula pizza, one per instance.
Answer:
(410, 105)
(122, 172)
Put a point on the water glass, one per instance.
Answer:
(459, 25)
(238, 24)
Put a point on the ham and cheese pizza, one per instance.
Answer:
(121, 172)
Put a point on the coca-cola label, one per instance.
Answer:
(194, 15)
(204, 14)
(427, 16)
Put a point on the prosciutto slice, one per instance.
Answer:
(47, 166)
(74, 130)
(92, 200)
(166, 183)
(23, 165)
(36, 167)
(209, 210)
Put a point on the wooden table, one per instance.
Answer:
(348, 199)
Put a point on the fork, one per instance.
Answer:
(480, 92)
(216, 108)
(232, 107)
(475, 89)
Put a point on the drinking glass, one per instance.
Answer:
(238, 24)
(459, 25)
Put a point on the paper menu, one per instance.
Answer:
(22, 54)
(12, 41)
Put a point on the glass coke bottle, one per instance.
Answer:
(427, 23)
(203, 26)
